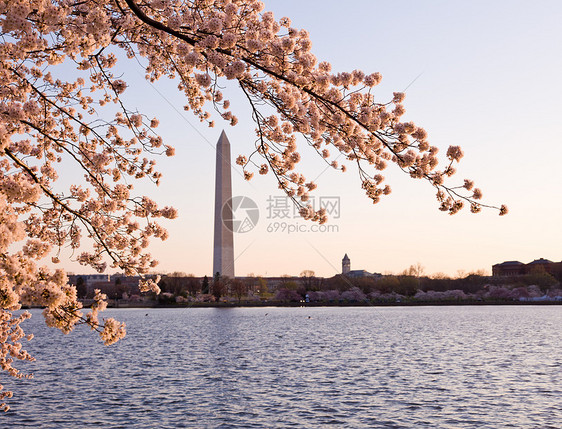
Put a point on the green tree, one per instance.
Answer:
(540, 278)
(81, 289)
(193, 285)
(238, 288)
(407, 285)
(388, 284)
(219, 287)
(262, 287)
(205, 285)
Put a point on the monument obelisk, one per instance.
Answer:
(223, 253)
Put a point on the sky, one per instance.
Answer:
(482, 75)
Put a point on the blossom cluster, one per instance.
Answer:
(212, 41)
(51, 123)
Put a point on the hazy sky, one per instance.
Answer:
(486, 76)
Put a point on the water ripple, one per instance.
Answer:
(426, 367)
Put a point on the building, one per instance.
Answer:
(516, 268)
(541, 264)
(508, 268)
(348, 272)
(345, 264)
(361, 273)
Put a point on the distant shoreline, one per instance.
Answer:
(258, 304)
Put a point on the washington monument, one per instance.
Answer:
(223, 253)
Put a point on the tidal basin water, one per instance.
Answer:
(393, 367)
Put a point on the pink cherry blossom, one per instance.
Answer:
(48, 123)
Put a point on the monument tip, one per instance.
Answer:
(223, 139)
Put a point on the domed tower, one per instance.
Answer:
(345, 264)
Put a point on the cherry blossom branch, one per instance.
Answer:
(85, 221)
